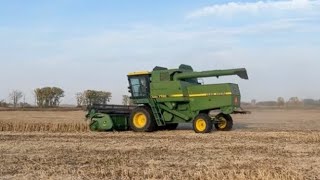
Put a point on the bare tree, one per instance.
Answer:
(15, 96)
(81, 99)
(294, 101)
(280, 102)
(126, 100)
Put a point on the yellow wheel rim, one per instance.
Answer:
(201, 124)
(139, 120)
(222, 123)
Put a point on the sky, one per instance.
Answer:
(80, 44)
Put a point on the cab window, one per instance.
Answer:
(139, 86)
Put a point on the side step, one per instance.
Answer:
(157, 112)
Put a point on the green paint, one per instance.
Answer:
(108, 122)
(175, 95)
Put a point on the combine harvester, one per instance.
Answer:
(166, 97)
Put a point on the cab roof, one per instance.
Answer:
(139, 73)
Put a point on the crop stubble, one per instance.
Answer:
(270, 144)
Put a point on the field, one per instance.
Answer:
(267, 144)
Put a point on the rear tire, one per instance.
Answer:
(224, 123)
(202, 124)
(142, 120)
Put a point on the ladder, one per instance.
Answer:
(156, 112)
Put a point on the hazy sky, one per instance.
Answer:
(81, 44)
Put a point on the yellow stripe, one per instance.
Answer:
(197, 95)
(194, 95)
(176, 95)
(210, 94)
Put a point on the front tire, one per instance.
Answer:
(224, 122)
(142, 120)
(202, 124)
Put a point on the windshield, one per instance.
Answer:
(139, 86)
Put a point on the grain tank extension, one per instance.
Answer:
(167, 97)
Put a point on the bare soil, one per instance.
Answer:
(267, 144)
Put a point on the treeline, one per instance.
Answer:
(90, 97)
(281, 102)
(48, 97)
(51, 97)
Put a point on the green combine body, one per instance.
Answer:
(167, 97)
